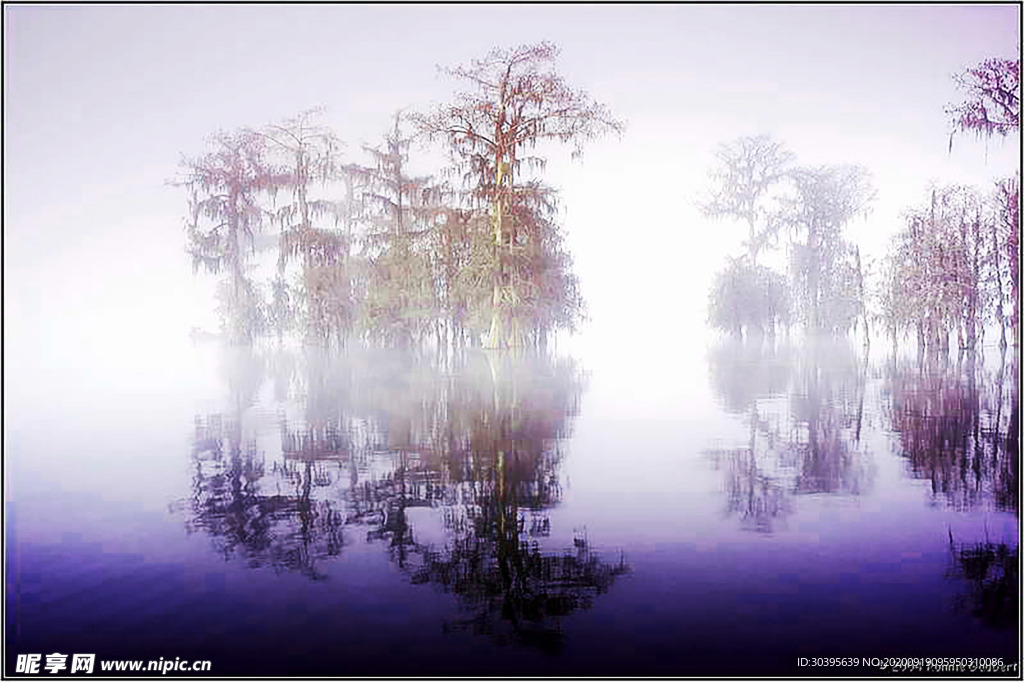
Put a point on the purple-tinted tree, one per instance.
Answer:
(515, 100)
(950, 265)
(1005, 263)
(224, 217)
(459, 244)
(824, 275)
(992, 106)
(307, 154)
(750, 299)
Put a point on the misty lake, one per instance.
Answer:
(720, 512)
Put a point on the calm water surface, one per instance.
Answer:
(370, 513)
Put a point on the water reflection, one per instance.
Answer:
(453, 471)
(494, 465)
(803, 407)
(957, 426)
(287, 529)
(990, 571)
(513, 591)
(828, 401)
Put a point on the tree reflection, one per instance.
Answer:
(828, 403)
(384, 442)
(991, 572)
(957, 425)
(231, 499)
(804, 408)
(492, 471)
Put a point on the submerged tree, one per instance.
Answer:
(309, 156)
(282, 310)
(1005, 263)
(459, 251)
(515, 101)
(926, 291)
(224, 217)
(399, 307)
(547, 291)
(749, 169)
(756, 184)
(489, 257)
(748, 298)
(952, 266)
(825, 278)
(992, 108)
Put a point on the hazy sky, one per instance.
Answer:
(100, 102)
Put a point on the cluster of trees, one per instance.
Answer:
(373, 251)
(953, 268)
(758, 183)
(955, 265)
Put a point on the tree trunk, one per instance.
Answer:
(860, 295)
(975, 285)
(997, 276)
(813, 320)
(496, 337)
(752, 247)
(1013, 253)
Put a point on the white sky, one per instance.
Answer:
(100, 102)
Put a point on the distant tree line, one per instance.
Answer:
(954, 266)
(473, 254)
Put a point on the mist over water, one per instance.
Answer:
(544, 511)
(688, 485)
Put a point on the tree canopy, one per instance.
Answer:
(749, 168)
(992, 106)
